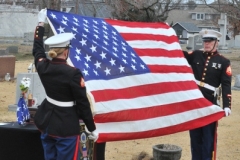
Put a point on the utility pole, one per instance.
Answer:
(76, 7)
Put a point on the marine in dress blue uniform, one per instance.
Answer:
(211, 70)
(66, 100)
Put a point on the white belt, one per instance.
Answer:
(59, 103)
(205, 85)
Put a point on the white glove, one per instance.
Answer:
(93, 135)
(227, 111)
(42, 15)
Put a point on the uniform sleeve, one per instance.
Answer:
(226, 79)
(82, 103)
(38, 49)
(188, 56)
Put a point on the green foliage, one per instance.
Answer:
(23, 88)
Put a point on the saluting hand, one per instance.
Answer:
(42, 15)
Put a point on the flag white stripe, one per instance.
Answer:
(152, 44)
(156, 123)
(153, 31)
(147, 101)
(150, 60)
(138, 80)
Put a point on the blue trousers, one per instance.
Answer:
(58, 148)
(202, 142)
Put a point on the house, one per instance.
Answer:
(184, 30)
(201, 17)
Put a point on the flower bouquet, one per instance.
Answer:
(25, 84)
(22, 110)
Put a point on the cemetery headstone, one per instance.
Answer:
(2, 52)
(7, 65)
(12, 49)
(195, 42)
(237, 41)
(36, 89)
(190, 43)
(198, 43)
(28, 38)
(237, 83)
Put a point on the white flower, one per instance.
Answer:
(26, 82)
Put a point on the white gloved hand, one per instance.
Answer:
(227, 111)
(93, 135)
(42, 15)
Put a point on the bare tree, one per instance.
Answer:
(232, 9)
(90, 7)
(191, 5)
(142, 10)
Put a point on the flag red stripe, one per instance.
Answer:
(134, 37)
(161, 131)
(156, 25)
(151, 112)
(158, 52)
(143, 90)
(169, 69)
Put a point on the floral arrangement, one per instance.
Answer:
(22, 110)
(25, 84)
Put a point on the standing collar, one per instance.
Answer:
(59, 60)
(211, 53)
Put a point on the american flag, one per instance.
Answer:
(140, 84)
(22, 111)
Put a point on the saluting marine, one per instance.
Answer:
(211, 70)
(66, 99)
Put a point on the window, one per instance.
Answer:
(200, 16)
(208, 17)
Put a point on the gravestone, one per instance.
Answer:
(7, 65)
(36, 89)
(2, 52)
(190, 43)
(237, 41)
(237, 83)
(12, 49)
(195, 42)
(231, 43)
(28, 38)
(198, 43)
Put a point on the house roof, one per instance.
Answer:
(190, 27)
(203, 9)
(186, 16)
(173, 16)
